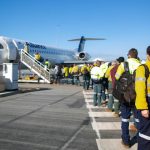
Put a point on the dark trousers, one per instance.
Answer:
(86, 82)
(144, 132)
(97, 94)
(144, 129)
(126, 113)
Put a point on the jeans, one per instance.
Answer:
(97, 94)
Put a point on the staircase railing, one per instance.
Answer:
(36, 66)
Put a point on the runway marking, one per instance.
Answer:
(88, 100)
(94, 121)
(89, 106)
(101, 114)
(114, 144)
(107, 126)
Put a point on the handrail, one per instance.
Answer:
(36, 66)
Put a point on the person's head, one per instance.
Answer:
(120, 60)
(133, 53)
(98, 63)
(148, 52)
(109, 64)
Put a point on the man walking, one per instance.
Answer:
(142, 88)
(133, 64)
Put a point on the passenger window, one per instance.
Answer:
(1, 46)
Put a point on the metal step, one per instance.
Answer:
(36, 66)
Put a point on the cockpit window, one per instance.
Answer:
(1, 46)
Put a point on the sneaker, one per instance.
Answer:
(103, 105)
(108, 110)
(126, 145)
(119, 113)
(95, 104)
(104, 102)
(116, 114)
(133, 128)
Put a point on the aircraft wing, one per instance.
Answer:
(79, 62)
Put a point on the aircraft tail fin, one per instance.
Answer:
(82, 42)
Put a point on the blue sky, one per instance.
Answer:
(124, 23)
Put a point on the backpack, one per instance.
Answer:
(124, 88)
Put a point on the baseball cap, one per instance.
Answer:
(120, 59)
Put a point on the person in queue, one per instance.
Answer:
(96, 76)
(110, 74)
(133, 63)
(85, 71)
(75, 73)
(142, 88)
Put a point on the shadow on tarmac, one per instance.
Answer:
(22, 90)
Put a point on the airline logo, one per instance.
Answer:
(35, 45)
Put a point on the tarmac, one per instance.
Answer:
(56, 117)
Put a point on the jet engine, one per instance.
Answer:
(83, 56)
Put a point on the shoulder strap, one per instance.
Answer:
(146, 71)
(126, 66)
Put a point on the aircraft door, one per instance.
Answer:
(2, 51)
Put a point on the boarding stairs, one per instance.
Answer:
(36, 66)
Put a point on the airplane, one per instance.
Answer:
(10, 48)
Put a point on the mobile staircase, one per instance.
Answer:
(35, 66)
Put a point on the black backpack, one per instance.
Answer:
(124, 88)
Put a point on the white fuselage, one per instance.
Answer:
(9, 48)
(54, 55)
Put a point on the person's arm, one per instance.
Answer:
(140, 88)
(120, 71)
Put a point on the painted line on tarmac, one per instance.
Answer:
(92, 118)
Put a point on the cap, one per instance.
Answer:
(133, 53)
(120, 59)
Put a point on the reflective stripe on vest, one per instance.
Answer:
(124, 120)
(144, 136)
(137, 120)
(140, 79)
(115, 100)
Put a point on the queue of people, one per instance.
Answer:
(104, 76)
(140, 109)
